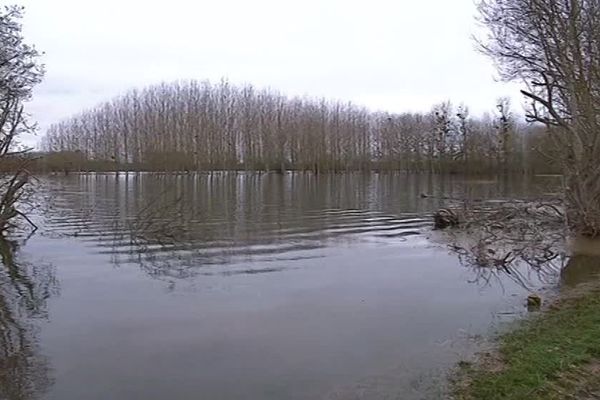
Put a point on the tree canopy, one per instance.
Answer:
(554, 47)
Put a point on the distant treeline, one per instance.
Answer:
(201, 126)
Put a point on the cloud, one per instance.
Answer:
(400, 55)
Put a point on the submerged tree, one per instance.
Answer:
(554, 46)
(20, 71)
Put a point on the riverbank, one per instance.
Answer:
(554, 355)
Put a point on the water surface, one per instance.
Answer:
(248, 286)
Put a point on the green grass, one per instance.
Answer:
(546, 357)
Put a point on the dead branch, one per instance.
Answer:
(507, 237)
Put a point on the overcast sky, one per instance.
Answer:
(394, 55)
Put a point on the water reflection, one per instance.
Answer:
(493, 263)
(580, 269)
(534, 251)
(288, 286)
(584, 265)
(186, 225)
(179, 226)
(521, 241)
(24, 289)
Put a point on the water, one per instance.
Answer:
(244, 286)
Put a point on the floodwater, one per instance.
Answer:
(243, 286)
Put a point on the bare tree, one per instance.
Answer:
(19, 73)
(504, 129)
(203, 126)
(554, 46)
(463, 134)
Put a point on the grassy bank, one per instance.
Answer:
(555, 355)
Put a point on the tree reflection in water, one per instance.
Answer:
(516, 240)
(524, 244)
(584, 265)
(24, 290)
(524, 272)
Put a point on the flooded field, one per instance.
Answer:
(245, 286)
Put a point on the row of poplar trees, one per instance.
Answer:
(195, 125)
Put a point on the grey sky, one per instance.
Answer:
(387, 55)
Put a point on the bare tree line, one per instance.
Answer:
(195, 125)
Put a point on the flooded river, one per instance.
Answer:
(243, 286)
